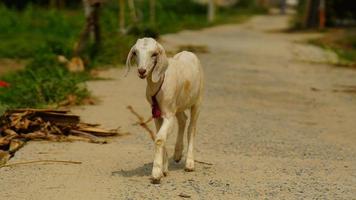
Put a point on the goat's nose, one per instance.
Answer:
(141, 71)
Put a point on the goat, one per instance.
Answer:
(173, 86)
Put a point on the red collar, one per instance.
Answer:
(156, 111)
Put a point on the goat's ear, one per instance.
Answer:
(161, 64)
(129, 58)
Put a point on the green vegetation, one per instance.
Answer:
(37, 30)
(43, 82)
(38, 34)
(340, 34)
(342, 42)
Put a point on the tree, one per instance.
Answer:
(122, 16)
(211, 10)
(132, 8)
(91, 28)
(152, 12)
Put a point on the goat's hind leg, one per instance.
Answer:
(182, 119)
(194, 114)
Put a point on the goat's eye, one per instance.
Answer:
(154, 54)
(134, 53)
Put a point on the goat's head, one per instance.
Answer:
(150, 58)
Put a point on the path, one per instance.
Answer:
(273, 125)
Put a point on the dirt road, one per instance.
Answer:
(274, 126)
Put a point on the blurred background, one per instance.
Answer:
(44, 41)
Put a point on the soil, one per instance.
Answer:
(10, 65)
(272, 127)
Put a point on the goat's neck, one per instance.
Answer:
(152, 87)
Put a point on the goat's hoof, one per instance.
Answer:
(156, 175)
(165, 173)
(189, 169)
(177, 157)
(189, 166)
(155, 181)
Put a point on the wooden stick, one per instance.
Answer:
(98, 131)
(91, 137)
(41, 161)
(139, 117)
(202, 162)
(142, 123)
(37, 110)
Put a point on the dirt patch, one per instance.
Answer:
(346, 89)
(10, 65)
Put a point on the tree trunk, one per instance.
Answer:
(153, 12)
(322, 14)
(306, 13)
(211, 10)
(122, 16)
(262, 3)
(132, 8)
(96, 28)
(312, 14)
(53, 4)
(283, 6)
(91, 28)
(61, 4)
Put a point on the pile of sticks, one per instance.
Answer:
(21, 125)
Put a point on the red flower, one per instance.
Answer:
(4, 84)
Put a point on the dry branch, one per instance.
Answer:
(41, 161)
(142, 123)
(20, 125)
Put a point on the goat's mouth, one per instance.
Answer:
(142, 76)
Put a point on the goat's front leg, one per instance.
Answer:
(158, 123)
(161, 158)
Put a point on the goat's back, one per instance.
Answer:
(189, 79)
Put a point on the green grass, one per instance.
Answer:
(35, 31)
(43, 82)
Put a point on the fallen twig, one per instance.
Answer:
(92, 138)
(202, 162)
(139, 117)
(143, 123)
(98, 131)
(41, 161)
(184, 195)
(37, 110)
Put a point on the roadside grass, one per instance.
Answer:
(342, 41)
(42, 83)
(37, 35)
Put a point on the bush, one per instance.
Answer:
(25, 34)
(41, 83)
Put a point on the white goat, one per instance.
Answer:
(173, 86)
